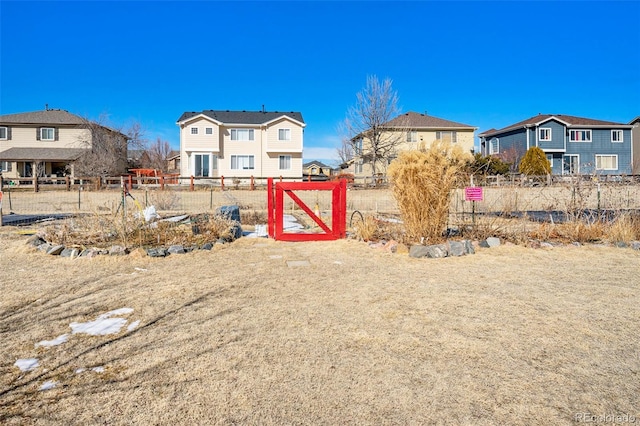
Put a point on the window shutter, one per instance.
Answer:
(38, 133)
(56, 134)
(8, 133)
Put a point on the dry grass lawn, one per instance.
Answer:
(244, 334)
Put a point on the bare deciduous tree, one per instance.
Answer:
(106, 148)
(367, 124)
(158, 154)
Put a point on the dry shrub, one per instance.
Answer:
(253, 217)
(578, 230)
(106, 230)
(624, 228)
(164, 200)
(366, 229)
(422, 183)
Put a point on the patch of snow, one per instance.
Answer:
(27, 364)
(141, 269)
(116, 312)
(80, 370)
(49, 384)
(289, 222)
(98, 369)
(133, 325)
(55, 342)
(337, 262)
(99, 327)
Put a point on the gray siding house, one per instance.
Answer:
(573, 145)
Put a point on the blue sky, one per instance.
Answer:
(486, 64)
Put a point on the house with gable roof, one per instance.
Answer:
(240, 144)
(573, 145)
(48, 142)
(409, 131)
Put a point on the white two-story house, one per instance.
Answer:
(241, 144)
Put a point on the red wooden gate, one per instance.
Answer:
(275, 205)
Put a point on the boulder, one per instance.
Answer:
(118, 251)
(635, 245)
(418, 251)
(457, 248)
(437, 251)
(35, 241)
(490, 242)
(231, 213)
(207, 246)
(176, 249)
(70, 252)
(55, 250)
(156, 252)
(468, 247)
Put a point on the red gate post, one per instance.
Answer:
(270, 212)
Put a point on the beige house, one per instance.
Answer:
(408, 132)
(241, 144)
(46, 143)
(635, 146)
(316, 170)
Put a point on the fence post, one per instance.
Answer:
(252, 184)
(35, 183)
(67, 182)
(280, 178)
(222, 182)
(191, 184)
(162, 183)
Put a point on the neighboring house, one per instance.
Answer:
(410, 131)
(173, 162)
(241, 144)
(46, 143)
(635, 136)
(573, 145)
(316, 170)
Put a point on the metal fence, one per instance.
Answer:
(83, 196)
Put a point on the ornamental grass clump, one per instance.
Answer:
(422, 182)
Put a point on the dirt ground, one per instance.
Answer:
(266, 332)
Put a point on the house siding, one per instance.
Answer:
(558, 132)
(601, 145)
(25, 137)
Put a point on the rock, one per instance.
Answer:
(622, 244)
(35, 241)
(55, 250)
(468, 247)
(70, 252)
(156, 252)
(418, 251)
(176, 249)
(118, 251)
(138, 252)
(44, 247)
(457, 248)
(231, 213)
(89, 253)
(207, 246)
(490, 242)
(437, 251)
(221, 241)
(635, 245)
(402, 249)
(546, 245)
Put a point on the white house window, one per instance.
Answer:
(242, 162)
(208, 130)
(242, 134)
(358, 166)
(47, 133)
(4, 134)
(617, 136)
(570, 164)
(285, 162)
(357, 146)
(5, 166)
(545, 134)
(194, 130)
(201, 165)
(580, 135)
(412, 136)
(606, 162)
(494, 146)
(284, 134)
(447, 137)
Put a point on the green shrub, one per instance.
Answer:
(535, 163)
(489, 165)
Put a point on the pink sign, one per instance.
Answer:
(473, 193)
